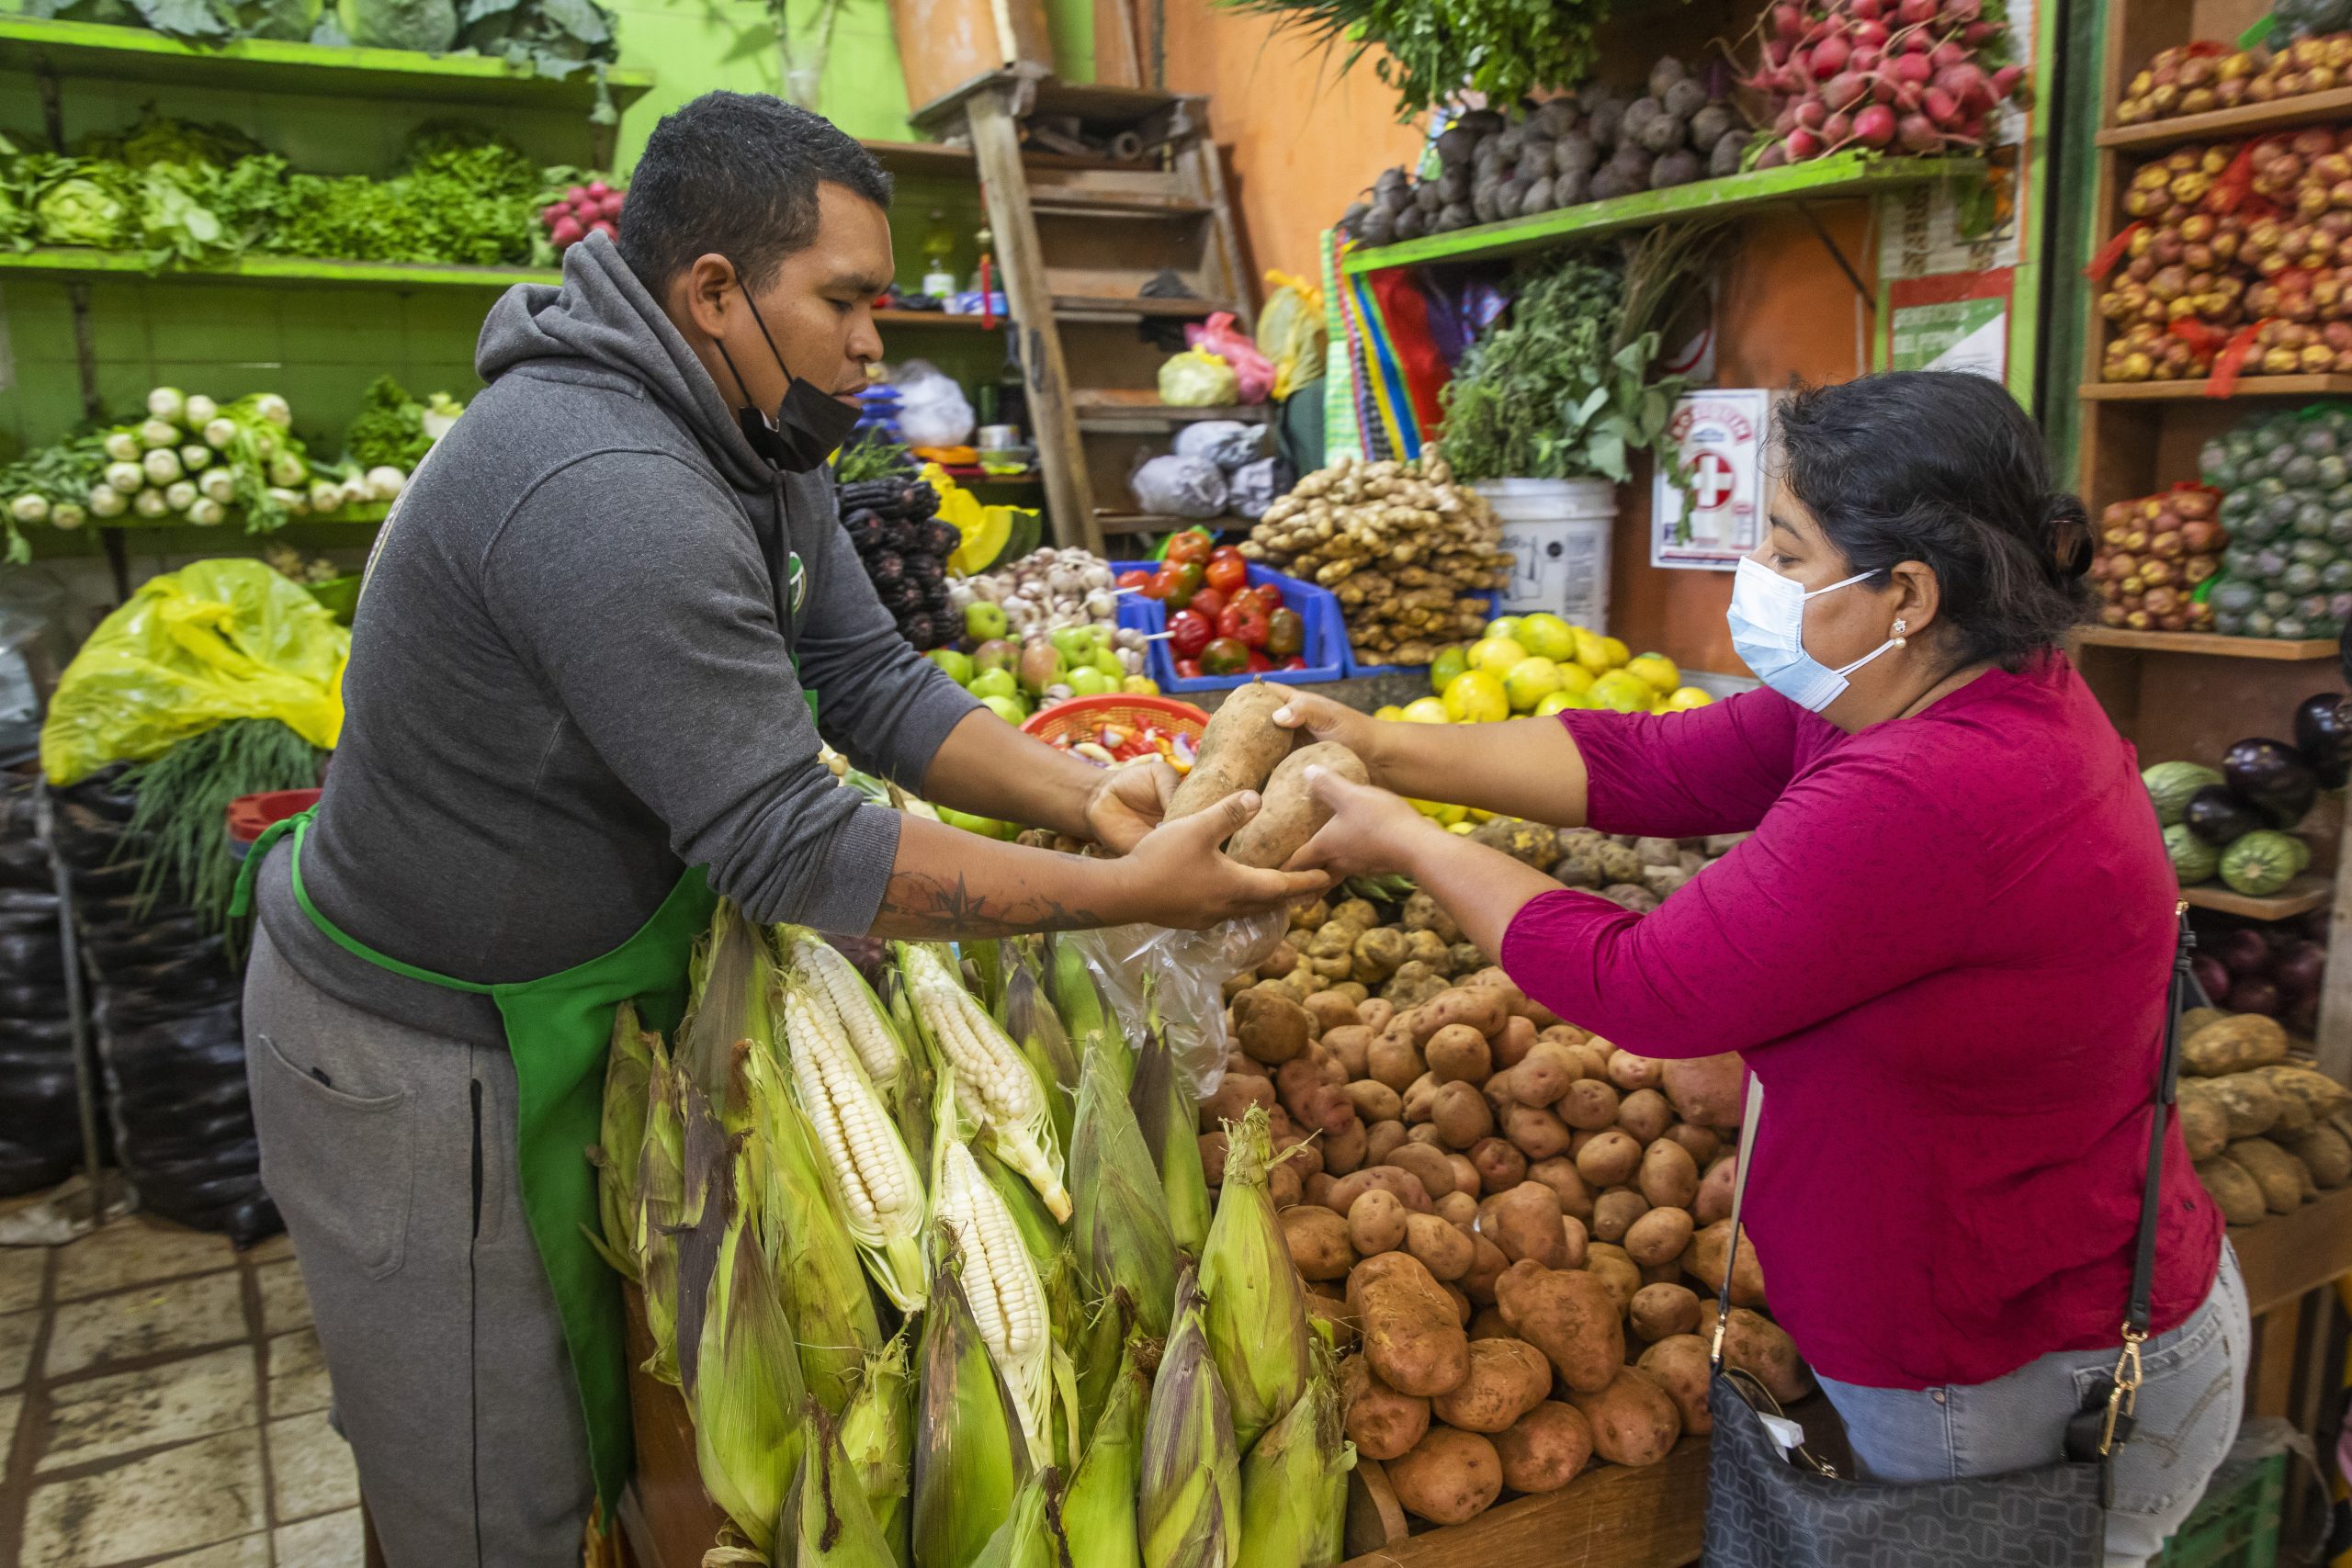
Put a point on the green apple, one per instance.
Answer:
(1012, 710)
(1075, 643)
(1085, 681)
(958, 665)
(996, 683)
(983, 620)
(1106, 659)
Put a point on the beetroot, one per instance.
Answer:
(2255, 995)
(2243, 952)
(2212, 978)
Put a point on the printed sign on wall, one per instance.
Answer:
(1721, 438)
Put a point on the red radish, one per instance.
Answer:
(567, 231)
(1830, 57)
(1868, 58)
(1803, 144)
(1841, 91)
(575, 194)
(605, 228)
(1945, 53)
(2004, 81)
(1917, 41)
(1908, 99)
(1773, 157)
(1919, 134)
(1869, 35)
(1875, 127)
(610, 208)
(1786, 120)
(599, 189)
(1916, 13)
(1837, 128)
(1776, 53)
(1963, 11)
(1866, 10)
(1883, 87)
(1811, 114)
(1911, 68)
(1787, 22)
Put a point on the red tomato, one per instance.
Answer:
(1135, 577)
(1209, 602)
(1245, 623)
(1225, 552)
(1230, 573)
(1258, 663)
(1191, 546)
(1296, 661)
(1188, 669)
(1269, 591)
(1285, 633)
(1189, 631)
(1224, 657)
(1162, 583)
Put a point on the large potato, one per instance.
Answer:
(1271, 1028)
(1507, 1378)
(1758, 1346)
(1412, 1331)
(1678, 1362)
(1525, 1223)
(1450, 1477)
(1318, 1239)
(1705, 1257)
(1544, 1450)
(1662, 1311)
(1291, 814)
(1705, 1090)
(1569, 1315)
(1668, 1177)
(1382, 1423)
(1634, 1420)
(1658, 1236)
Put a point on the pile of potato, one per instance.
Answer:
(1516, 1229)
(2266, 1133)
(2197, 78)
(1402, 546)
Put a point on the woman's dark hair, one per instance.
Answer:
(1943, 468)
(736, 174)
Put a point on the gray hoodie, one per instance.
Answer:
(567, 682)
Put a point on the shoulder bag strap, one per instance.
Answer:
(1751, 1113)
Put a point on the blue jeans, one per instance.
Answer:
(2192, 1393)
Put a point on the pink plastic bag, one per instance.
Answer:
(1221, 337)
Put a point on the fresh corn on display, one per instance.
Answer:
(855, 1008)
(1255, 1304)
(991, 1077)
(1189, 1495)
(999, 1282)
(1295, 1484)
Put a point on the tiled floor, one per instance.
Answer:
(163, 1404)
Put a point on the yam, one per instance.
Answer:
(2234, 1044)
(1412, 1331)
(1376, 1223)
(1544, 1450)
(2325, 1153)
(1658, 1236)
(1634, 1420)
(1507, 1378)
(1659, 1312)
(1566, 1183)
(1570, 1317)
(1381, 1422)
(1611, 1158)
(1317, 1240)
(1458, 1054)
(1705, 1090)
(1680, 1363)
(1525, 1223)
(1442, 1250)
(1238, 749)
(2233, 1192)
(1404, 1184)
(1645, 1114)
(1704, 1260)
(1270, 1026)
(2286, 1184)
(1450, 1477)
(1614, 1212)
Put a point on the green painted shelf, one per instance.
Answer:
(135, 54)
(65, 262)
(1823, 179)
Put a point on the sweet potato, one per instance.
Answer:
(1381, 1422)
(2233, 1044)
(1499, 1164)
(1412, 1331)
(1444, 1250)
(1376, 1223)
(1461, 1115)
(1268, 1026)
(1610, 1157)
(1616, 1270)
(2286, 1185)
(1661, 1311)
(2204, 1125)
(1350, 1044)
(1634, 1420)
(1614, 1212)
(1658, 1237)
(1459, 1053)
(1678, 1362)
(1645, 1114)
(1525, 1223)
(2233, 1190)
(1758, 1346)
(1428, 1165)
(1534, 1130)
(1487, 1266)
(1668, 1177)
(1407, 1186)
(1507, 1378)
(1713, 1202)
(1705, 1090)
(2306, 1096)
(1317, 1240)
(1569, 1315)
(1544, 1450)
(1238, 749)
(2325, 1153)
(1704, 1259)
(1513, 1042)
(1450, 1477)
(1562, 1177)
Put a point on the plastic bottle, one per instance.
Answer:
(938, 255)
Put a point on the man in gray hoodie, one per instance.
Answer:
(598, 638)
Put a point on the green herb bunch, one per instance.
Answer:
(183, 797)
(1431, 51)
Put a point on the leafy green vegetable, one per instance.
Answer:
(871, 459)
(1430, 52)
(62, 475)
(173, 220)
(430, 26)
(159, 139)
(183, 795)
(79, 201)
(389, 429)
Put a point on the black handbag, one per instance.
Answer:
(1765, 1510)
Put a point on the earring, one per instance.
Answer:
(1899, 638)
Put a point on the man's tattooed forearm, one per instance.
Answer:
(919, 904)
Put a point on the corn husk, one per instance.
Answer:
(1097, 1355)
(1255, 1306)
(877, 1434)
(882, 1047)
(1099, 1509)
(1029, 1535)
(1188, 1511)
(826, 1517)
(747, 1396)
(1028, 1015)
(1119, 1212)
(629, 1074)
(733, 972)
(709, 1175)
(1169, 1117)
(969, 1455)
(661, 1210)
(986, 964)
(1086, 1013)
(1294, 1483)
(818, 1272)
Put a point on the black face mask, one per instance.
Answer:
(809, 423)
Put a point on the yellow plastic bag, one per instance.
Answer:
(1198, 380)
(213, 641)
(1290, 333)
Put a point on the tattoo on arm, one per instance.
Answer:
(920, 904)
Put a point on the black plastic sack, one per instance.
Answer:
(34, 1001)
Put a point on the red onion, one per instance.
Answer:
(2299, 968)
(2255, 996)
(2213, 978)
(2243, 952)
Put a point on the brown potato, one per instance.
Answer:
(1376, 1223)
(1703, 1142)
(1428, 1165)
(1374, 1100)
(1668, 1177)
(1525, 1222)
(1578, 1238)
(1614, 1212)
(1657, 1239)
(1544, 1450)
(1351, 1043)
(1487, 1265)
(1343, 1151)
(1590, 1059)
(1482, 1008)
(1563, 1178)
(1319, 1243)
(1443, 1248)
(1587, 1106)
(1459, 1053)
(1456, 1208)
(1422, 1133)
(1507, 1378)
(1373, 1012)
(1758, 1346)
(1334, 1311)
(1534, 1132)
(1412, 1329)
(1247, 1065)
(1286, 1185)
(1618, 1273)
(1317, 1190)
(1499, 1164)
(1394, 1062)
(1661, 1311)
(1513, 1042)
(1461, 1115)
(1403, 1183)
(1678, 1362)
(1707, 1089)
(1634, 1420)
(1704, 1258)
(1418, 1096)
(1310, 1097)
(1238, 749)
(1449, 1478)
(1234, 1097)
(1612, 1157)
(1570, 1317)
(1542, 1075)
(1268, 1025)
(1668, 1273)
(1630, 1072)
(1487, 1323)
(1332, 1010)
(1212, 1146)
(1463, 1308)
(1466, 1172)
(1382, 1139)
(1713, 1201)
(1381, 1422)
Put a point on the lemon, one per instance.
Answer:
(1477, 696)
(1545, 636)
(1496, 654)
(1575, 678)
(1451, 660)
(1504, 626)
(1139, 687)
(1658, 670)
(1389, 714)
(1424, 710)
(1686, 698)
(1528, 681)
(1592, 649)
(1616, 652)
(1626, 694)
(1561, 701)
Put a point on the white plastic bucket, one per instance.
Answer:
(1557, 533)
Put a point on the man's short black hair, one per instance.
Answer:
(737, 173)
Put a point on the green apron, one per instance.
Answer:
(558, 1030)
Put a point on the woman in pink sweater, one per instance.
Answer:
(1944, 947)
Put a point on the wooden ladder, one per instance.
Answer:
(1077, 237)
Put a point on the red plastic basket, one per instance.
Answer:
(1080, 717)
(251, 814)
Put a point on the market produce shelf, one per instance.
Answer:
(135, 54)
(1164, 523)
(2247, 386)
(1822, 179)
(2246, 120)
(2301, 896)
(2290, 649)
(70, 262)
(1143, 412)
(2286, 1255)
(1083, 307)
(939, 318)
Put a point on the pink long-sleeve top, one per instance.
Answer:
(1945, 953)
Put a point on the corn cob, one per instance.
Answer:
(747, 1396)
(629, 1074)
(661, 1209)
(1169, 1118)
(855, 1006)
(999, 1281)
(1098, 1510)
(991, 1078)
(1294, 1483)
(1119, 1223)
(1255, 1309)
(969, 1455)
(877, 1434)
(1036, 1030)
(872, 1177)
(1189, 1494)
(826, 1517)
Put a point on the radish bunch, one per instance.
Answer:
(595, 206)
(1882, 75)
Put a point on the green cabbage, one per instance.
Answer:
(81, 203)
(427, 25)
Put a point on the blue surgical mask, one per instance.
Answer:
(1766, 618)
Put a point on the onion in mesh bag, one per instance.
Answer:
(1180, 487)
(1227, 443)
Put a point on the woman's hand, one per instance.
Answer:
(1324, 719)
(1178, 877)
(1128, 803)
(1371, 832)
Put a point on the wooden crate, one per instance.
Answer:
(1608, 1517)
(667, 1519)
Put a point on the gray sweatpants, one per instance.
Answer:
(392, 1153)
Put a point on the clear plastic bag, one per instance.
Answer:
(933, 409)
(1182, 976)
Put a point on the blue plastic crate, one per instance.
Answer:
(1326, 648)
(1494, 602)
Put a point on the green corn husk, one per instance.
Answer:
(826, 1517)
(710, 1177)
(1119, 1212)
(1028, 1016)
(1098, 1355)
(1255, 1312)
(1188, 1510)
(1170, 1119)
(877, 1434)
(1031, 1535)
(1099, 1509)
(733, 974)
(629, 1076)
(970, 1456)
(1085, 1011)
(1294, 1483)
(988, 961)
(818, 1271)
(748, 1395)
(661, 1210)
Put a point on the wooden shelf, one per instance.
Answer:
(262, 66)
(1609, 1516)
(939, 319)
(2286, 1255)
(1114, 522)
(1081, 307)
(2247, 386)
(2246, 120)
(73, 262)
(1117, 410)
(1823, 179)
(2299, 897)
(2211, 643)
